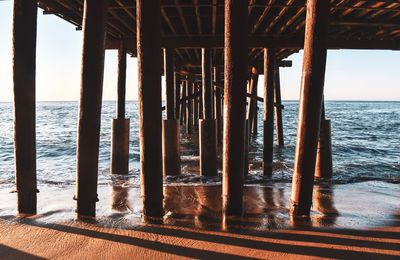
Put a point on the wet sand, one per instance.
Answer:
(348, 221)
(77, 240)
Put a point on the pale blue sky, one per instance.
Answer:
(351, 75)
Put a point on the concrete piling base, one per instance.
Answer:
(323, 165)
(208, 147)
(120, 146)
(171, 147)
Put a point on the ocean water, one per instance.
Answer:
(365, 142)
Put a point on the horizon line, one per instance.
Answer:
(283, 100)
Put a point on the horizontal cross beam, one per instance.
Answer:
(292, 42)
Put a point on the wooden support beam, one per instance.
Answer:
(252, 102)
(189, 115)
(120, 125)
(255, 121)
(281, 13)
(291, 42)
(260, 20)
(190, 97)
(24, 75)
(218, 105)
(214, 17)
(198, 16)
(201, 102)
(148, 22)
(311, 96)
(121, 81)
(170, 126)
(269, 75)
(207, 84)
(323, 165)
(169, 83)
(183, 104)
(278, 109)
(195, 105)
(208, 126)
(177, 86)
(234, 105)
(90, 106)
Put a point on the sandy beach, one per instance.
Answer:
(76, 240)
(341, 226)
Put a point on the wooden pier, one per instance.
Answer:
(224, 45)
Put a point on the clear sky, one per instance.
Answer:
(351, 75)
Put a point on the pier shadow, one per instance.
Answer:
(296, 241)
(12, 253)
(194, 219)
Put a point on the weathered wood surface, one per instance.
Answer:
(269, 80)
(278, 109)
(311, 97)
(149, 82)
(24, 75)
(90, 106)
(234, 105)
(121, 81)
(188, 26)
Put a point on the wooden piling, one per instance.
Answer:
(269, 73)
(189, 115)
(201, 102)
(183, 103)
(170, 126)
(169, 83)
(207, 94)
(195, 105)
(312, 85)
(148, 24)
(171, 148)
(24, 74)
(278, 108)
(120, 125)
(208, 125)
(323, 165)
(251, 112)
(90, 105)
(218, 104)
(121, 99)
(177, 84)
(120, 146)
(246, 148)
(234, 105)
(255, 121)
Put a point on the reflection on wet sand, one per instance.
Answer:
(193, 226)
(119, 197)
(200, 206)
(323, 200)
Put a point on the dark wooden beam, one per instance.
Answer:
(311, 98)
(293, 42)
(90, 106)
(148, 22)
(169, 82)
(234, 106)
(269, 80)
(121, 82)
(24, 75)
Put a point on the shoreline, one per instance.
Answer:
(30, 240)
(357, 205)
(360, 220)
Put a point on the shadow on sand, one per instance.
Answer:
(293, 241)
